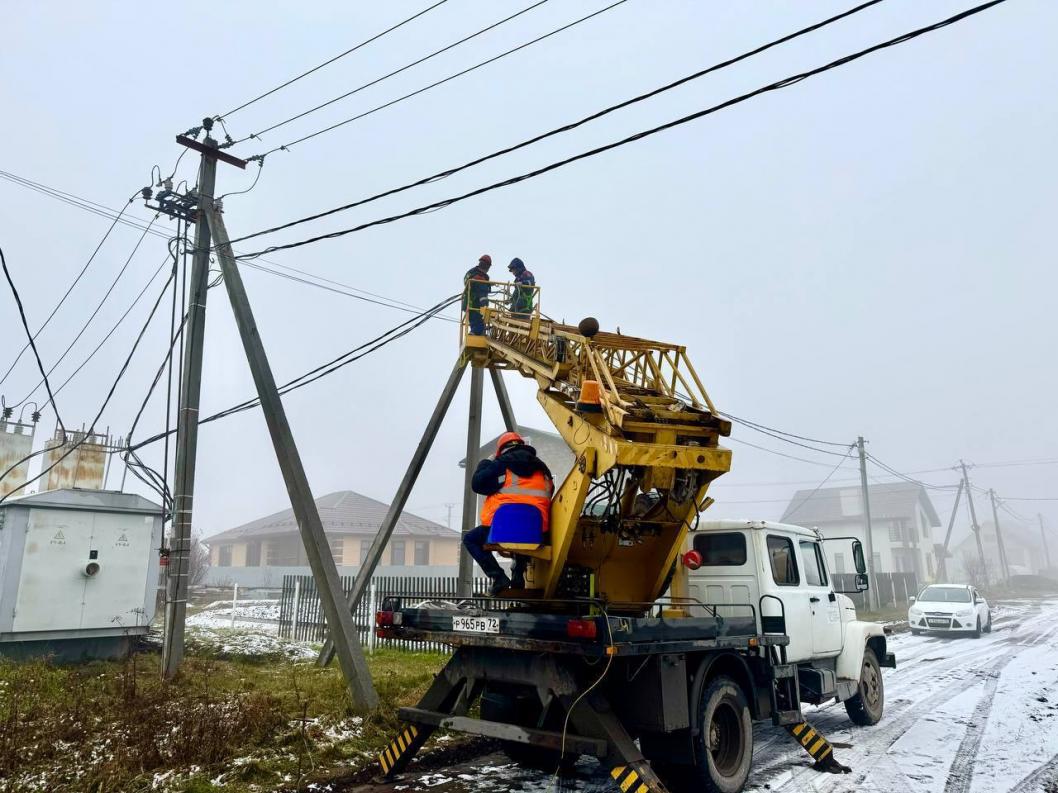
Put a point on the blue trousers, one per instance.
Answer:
(477, 322)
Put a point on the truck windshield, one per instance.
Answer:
(945, 594)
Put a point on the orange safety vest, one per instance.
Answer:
(536, 489)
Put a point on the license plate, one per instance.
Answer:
(939, 623)
(476, 624)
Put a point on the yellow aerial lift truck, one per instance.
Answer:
(644, 637)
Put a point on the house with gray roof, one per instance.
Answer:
(260, 552)
(902, 523)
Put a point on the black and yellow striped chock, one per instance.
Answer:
(817, 746)
(397, 747)
(629, 780)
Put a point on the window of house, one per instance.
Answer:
(815, 570)
(224, 556)
(721, 549)
(839, 563)
(397, 553)
(365, 549)
(281, 553)
(783, 561)
(253, 554)
(422, 552)
(337, 545)
(896, 531)
(876, 563)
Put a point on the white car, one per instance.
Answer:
(950, 608)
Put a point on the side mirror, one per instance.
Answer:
(857, 557)
(911, 599)
(861, 582)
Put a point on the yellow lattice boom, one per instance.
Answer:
(646, 450)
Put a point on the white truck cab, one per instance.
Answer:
(780, 571)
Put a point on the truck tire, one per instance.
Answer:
(724, 744)
(511, 706)
(865, 708)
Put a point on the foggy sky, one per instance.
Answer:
(866, 253)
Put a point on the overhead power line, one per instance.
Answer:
(775, 86)
(323, 370)
(140, 224)
(567, 127)
(94, 314)
(91, 429)
(328, 62)
(444, 80)
(778, 453)
(826, 479)
(377, 80)
(31, 342)
(69, 290)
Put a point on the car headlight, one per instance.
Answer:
(964, 612)
(913, 611)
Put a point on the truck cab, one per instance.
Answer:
(781, 570)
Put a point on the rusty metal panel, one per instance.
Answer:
(84, 467)
(16, 442)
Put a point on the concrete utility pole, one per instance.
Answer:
(187, 433)
(942, 562)
(999, 536)
(465, 587)
(973, 521)
(1043, 536)
(341, 626)
(872, 596)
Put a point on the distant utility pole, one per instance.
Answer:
(449, 506)
(999, 536)
(973, 521)
(1043, 536)
(942, 562)
(340, 622)
(872, 595)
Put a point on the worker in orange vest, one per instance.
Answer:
(514, 476)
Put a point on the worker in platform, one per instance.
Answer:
(514, 476)
(524, 291)
(476, 294)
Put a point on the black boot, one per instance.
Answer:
(500, 582)
(518, 575)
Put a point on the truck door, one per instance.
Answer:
(822, 602)
(786, 586)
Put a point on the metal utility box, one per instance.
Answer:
(78, 572)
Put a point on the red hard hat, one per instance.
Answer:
(485, 258)
(506, 438)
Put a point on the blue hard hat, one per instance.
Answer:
(516, 264)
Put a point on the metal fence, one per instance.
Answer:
(893, 589)
(301, 614)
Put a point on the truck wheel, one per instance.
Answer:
(865, 708)
(516, 707)
(724, 744)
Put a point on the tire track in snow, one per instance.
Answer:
(1036, 781)
(962, 768)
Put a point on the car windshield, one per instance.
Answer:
(945, 594)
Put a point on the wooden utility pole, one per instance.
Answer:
(973, 522)
(999, 536)
(187, 431)
(872, 597)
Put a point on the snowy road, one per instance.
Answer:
(961, 716)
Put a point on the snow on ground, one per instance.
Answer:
(962, 715)
(253, 633)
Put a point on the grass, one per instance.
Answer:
(236, 725)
